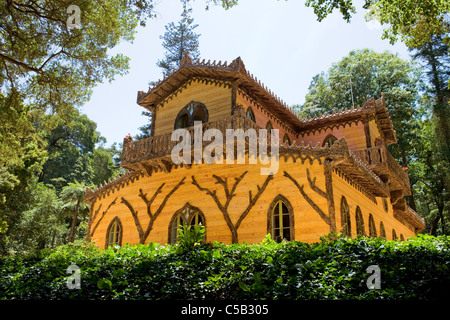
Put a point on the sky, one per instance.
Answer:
(280, 42)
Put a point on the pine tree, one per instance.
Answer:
(178, 40)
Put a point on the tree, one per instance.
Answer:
(70, 146)
(178, 40)
(364, 74)
(434, 154)
(435, 57)
(412, 21)
(72, 197)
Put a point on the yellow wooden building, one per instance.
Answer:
(334, 172)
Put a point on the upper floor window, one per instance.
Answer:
(114, 233)
(188, 215)
(329, 140)
(269, 127)
(249, 113)
(286, 139)
(281, 222)
(193, 111)
(345, 218)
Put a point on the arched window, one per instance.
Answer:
(394, 234)
(385, 205)
(269, 127)
(345, 218)
(188, 215)
(286, 139)
(359, 222)
(193, 111)
(176, 224)
(196, 219)
(372, 227)
(250, 114)
(281, 219)
(114, 233)
(382, 231)
(329, 140)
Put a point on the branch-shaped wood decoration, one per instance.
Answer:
(91, 233)
(143, 235)
(229, 194)
(329, 219)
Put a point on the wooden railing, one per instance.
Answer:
(161, 145)
(379, 156)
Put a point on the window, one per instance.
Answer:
(281, 221)
(177, 223)
(372, 227)
(188, 215)
(193, 111)
(249, 114)
(345, 218)
(114, 233)
(286, 139)
(269, 127)
(359, 222)
(394, 234)
(196, 219)
(329, 140)
(382, 230)
(385, 205)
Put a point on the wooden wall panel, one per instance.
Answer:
(374, 132)
(217, 100)
(354, 135)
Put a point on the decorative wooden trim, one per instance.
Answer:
(182, 87)
(229, 194)
(324, 128)
(108, 230)
(91, 233)
(325, 218)
(355, 185)
(328, 173)
(291, 215)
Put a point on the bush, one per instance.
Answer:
(335, 268)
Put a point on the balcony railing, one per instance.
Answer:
(162, 145)
(379, 160)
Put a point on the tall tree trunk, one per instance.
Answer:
(74, 223)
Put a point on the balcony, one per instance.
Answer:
(381, 162)
(157, 150)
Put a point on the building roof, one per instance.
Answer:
(237, 73)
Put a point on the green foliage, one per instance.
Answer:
(334, 268)
(412, 21)
(190, 236)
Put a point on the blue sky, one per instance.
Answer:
(280, 42)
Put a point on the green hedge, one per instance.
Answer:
(331, 269)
